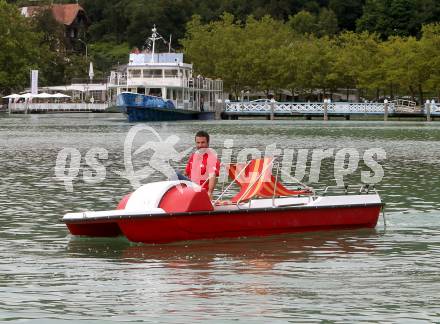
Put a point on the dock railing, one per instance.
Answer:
(57, 107)
(308, 108)
(406, 106)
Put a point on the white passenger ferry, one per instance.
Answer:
(160, 86)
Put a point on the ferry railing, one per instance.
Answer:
(117, 79)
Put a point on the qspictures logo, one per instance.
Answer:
(163, 153)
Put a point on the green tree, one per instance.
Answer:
(52, 71)
(428, 11)
(407, 65)
(244, 56)
(430, 46)
(216, 51)
(347, 12)
(310, 61)
(76, 67)
(109, 21)
(390, 18)
(327, 23)
(170, 16)
(20, 49)
(262, 39)
(357, 60)
(303, 22)
(107, 55)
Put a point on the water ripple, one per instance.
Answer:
(383, 275)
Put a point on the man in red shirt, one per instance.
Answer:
(203, 166)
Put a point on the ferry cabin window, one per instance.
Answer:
(171, 73)
(152, 73)
(136, 73)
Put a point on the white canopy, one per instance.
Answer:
(43, 95)
(59, 95)
(12, 96)
(27, 95)
(40, 95)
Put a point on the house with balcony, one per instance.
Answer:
(73, 18)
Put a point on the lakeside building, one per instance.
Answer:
(72, 17)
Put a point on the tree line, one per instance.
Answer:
(131, 20)
(315, 28)
(268, 55)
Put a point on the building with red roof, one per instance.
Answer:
(72, 16)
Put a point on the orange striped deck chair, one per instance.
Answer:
(257, 180)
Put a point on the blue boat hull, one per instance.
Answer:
(139, 107)
(136, 114)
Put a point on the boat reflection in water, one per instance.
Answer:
(207, 269)
(248, 254)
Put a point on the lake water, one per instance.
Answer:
(387, 275)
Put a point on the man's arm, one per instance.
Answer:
(213, 177)
(188, 166)
(211, 184)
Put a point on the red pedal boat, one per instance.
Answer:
(169, 211)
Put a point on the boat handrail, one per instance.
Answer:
(279, 170)
(276, 182)
(232, 182)
(360, 188)
(298, 182)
